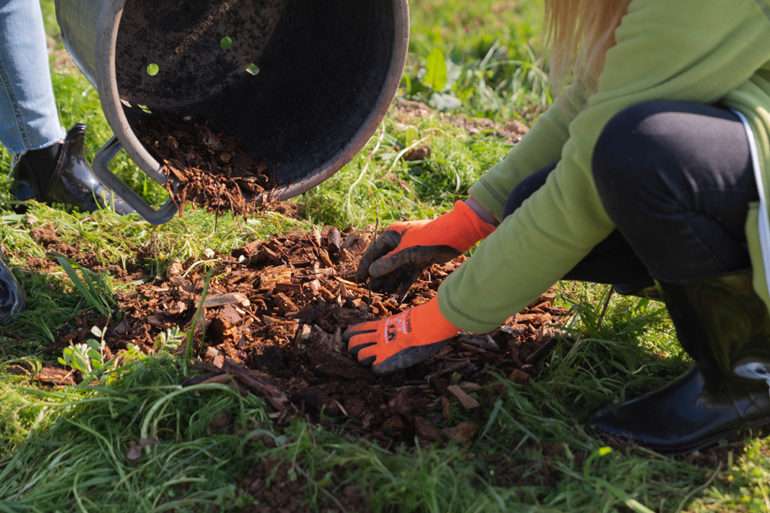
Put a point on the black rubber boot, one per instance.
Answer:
(61, 174)
(11, 294)
(725, 327)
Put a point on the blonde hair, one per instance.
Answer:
(579, 34)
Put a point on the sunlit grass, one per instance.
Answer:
(68, 449)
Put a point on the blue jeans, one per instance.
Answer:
(28, 115)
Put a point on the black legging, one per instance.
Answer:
(676, 178)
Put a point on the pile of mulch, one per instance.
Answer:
(205, 167)
(273, 321)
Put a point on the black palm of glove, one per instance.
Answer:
(395, 260)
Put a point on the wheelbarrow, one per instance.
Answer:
(301, 84)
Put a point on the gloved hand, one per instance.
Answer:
(400, 341)
(399, 255)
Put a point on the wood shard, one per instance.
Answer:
(335, 240)
(55, 376)
(258, 383)
(426, 430)
(486, 342)
(271, 277)
(305, 332)
(218, 300)
(519, 376)
(468, 402)
(324, 256)
(463, 433)
(286, 303)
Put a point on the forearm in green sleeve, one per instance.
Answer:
(540, 147)
(529, 252)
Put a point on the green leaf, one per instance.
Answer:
(436, 71)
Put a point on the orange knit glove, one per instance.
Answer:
(402, 340)
(399, 255)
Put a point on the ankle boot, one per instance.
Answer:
(61, 174)
(725, 327)
(11, 294)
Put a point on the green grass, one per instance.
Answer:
(68, 449)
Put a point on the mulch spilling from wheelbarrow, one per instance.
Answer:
(205, 167)
(272, 323)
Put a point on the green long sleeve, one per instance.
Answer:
(540, 147)
(687, 50)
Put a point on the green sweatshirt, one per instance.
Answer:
(705, 51)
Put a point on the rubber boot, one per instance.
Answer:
(61, 174)
(725, 327)
(11, 295)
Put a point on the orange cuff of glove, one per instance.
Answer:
(428, 323)
(460, 229)
(464, 227)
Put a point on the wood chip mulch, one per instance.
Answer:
(206, 167)
(274, 314)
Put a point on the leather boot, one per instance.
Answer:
(725, 327)
(62, 175)
(11, 294)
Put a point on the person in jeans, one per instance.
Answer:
(649, 171)
(48, 164)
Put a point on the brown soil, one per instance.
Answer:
(277, 487)
(274, 314)
(204, 166)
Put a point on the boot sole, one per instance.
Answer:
(726, 436)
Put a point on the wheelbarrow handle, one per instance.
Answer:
(101, 166)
